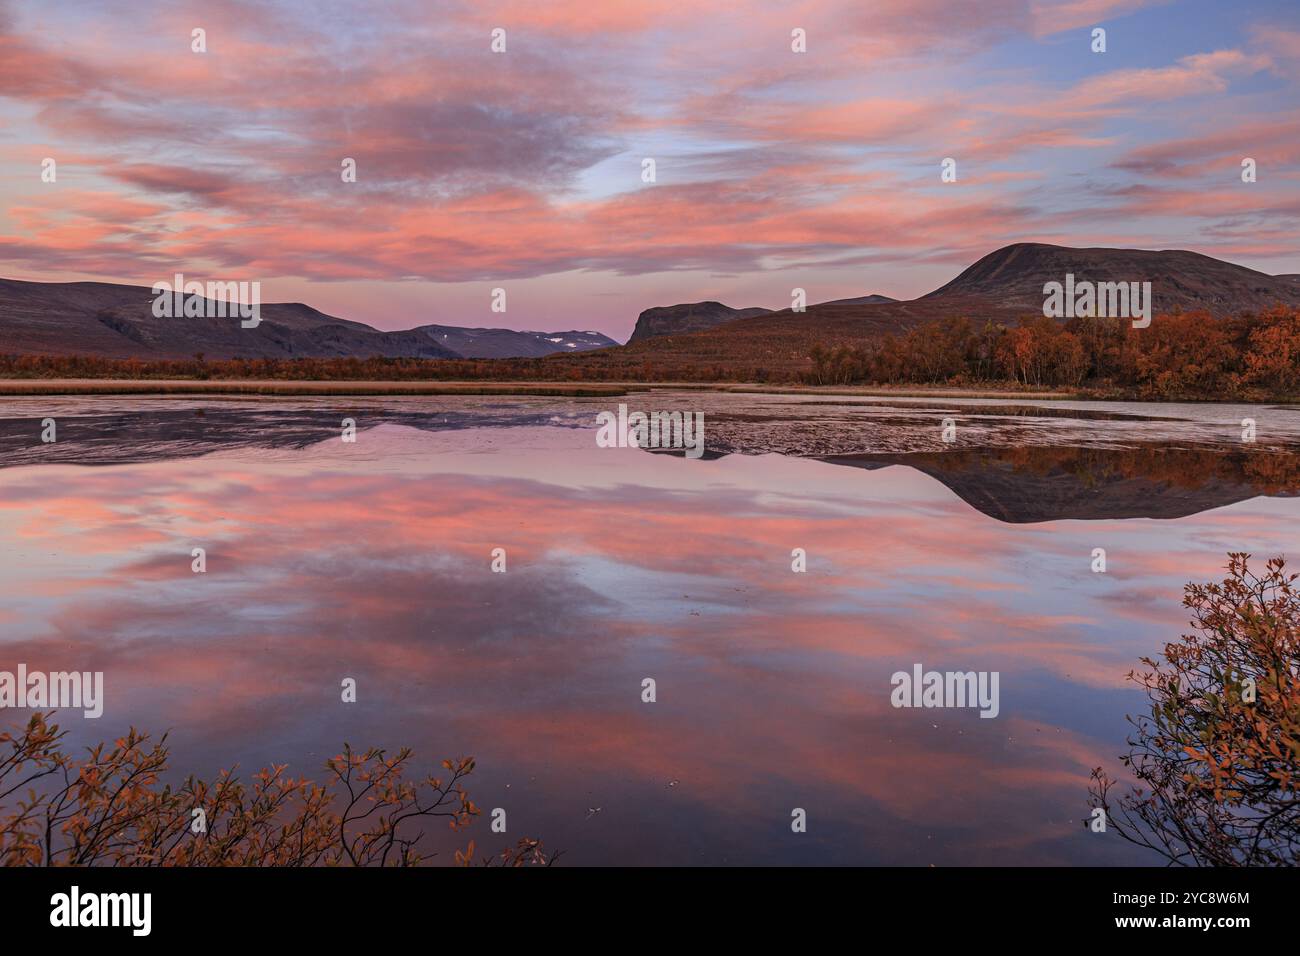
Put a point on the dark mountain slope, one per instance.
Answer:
(117, 321)
(687, 317)
(1015, 275)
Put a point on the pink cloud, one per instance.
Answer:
(475, 167)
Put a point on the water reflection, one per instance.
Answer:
(1016, 463)
(372, 561)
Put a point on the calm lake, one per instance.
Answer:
(372, 560)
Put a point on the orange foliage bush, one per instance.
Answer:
(110, 809)
(1217, 759)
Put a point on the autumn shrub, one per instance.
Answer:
(1272, 356)
(1216, 761)
(110, 808)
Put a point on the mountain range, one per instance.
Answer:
(117, 321)
(1001, 287)
(507, 343)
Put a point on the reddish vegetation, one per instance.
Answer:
(376, 369)
(1217, 758)
(1185, 355)
(111, 808)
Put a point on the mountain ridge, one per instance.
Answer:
(687, 317)
(1180, 279)
(116, 320)
(1001, 287)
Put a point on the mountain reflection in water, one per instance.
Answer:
(1166, 470)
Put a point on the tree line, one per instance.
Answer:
(1181, 355)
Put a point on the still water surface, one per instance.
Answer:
(372, 560)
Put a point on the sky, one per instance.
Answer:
(523, 169)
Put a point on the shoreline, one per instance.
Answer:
(17, 387)
(164, 388)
